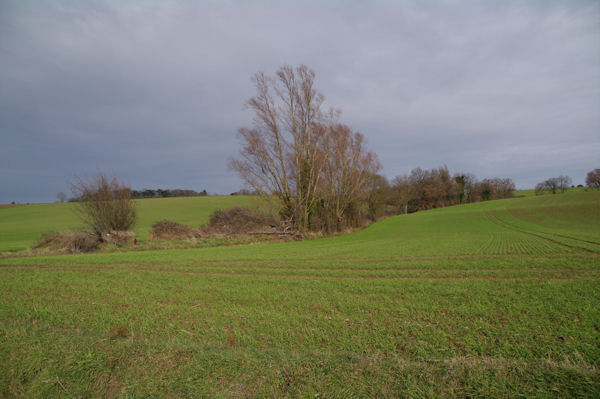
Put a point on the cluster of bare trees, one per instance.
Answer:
(318, 168)
(553, 185)
(593, 178)
(427, 189)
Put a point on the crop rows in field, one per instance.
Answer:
(539, 239)
(508, 243)
(493, 299)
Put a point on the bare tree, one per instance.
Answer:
(540, 188)
(554, 184)
(563, 183)
(403, 192)
(104, 204)
(61, 197)
(593, 178)
(378, 196)
(347, 168)
(295, 151)
(282, 153)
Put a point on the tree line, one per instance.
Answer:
(436, 188)
(134, 194)
(553, 185)
(561, 183)
(159, 193)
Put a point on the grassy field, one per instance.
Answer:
(23, 225)
(494, 299)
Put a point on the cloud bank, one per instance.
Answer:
(154, 92)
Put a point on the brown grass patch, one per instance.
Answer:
(113, 388)
(69, 243)
(119, 238)
(118, 331)
(231, 338)
(242, 220)
(82, 242)
(169, 230)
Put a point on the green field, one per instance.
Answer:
(22, 225)
(494, 299)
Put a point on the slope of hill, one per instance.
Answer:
(494, 299)
(23, 225)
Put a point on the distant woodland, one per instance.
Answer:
(159, 193)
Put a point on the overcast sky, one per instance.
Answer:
(153, 91)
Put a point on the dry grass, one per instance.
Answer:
(81, 242)
(118, 331)
(69, 243)
(241, 220)
(119, 238)
(169, 230)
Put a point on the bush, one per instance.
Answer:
(241, 220)
(119, 238)
(69, 243)
(168, 230)
(104, 204)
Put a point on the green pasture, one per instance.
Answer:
(531, 192)
(23, 225)
(494, 299)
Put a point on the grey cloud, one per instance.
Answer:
(154, 91)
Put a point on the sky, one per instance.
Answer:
(153, 92)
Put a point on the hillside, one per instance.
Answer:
(495, 299)
(23, 225)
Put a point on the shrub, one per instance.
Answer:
(168, 230)
(104, 204)
(119, 238)
(69, 243)
(241, 220)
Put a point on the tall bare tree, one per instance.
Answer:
(346, 172)
(282, 152)
(379, 196)
(403, 193)
(316, 167)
